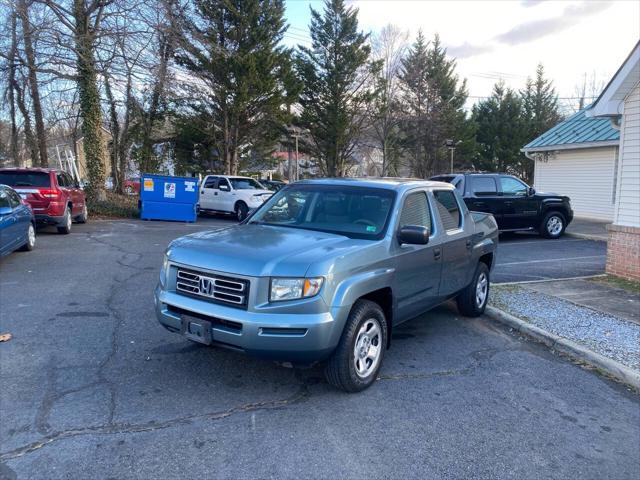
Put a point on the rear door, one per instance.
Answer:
(77, 195)
(519, 209)
(457, 242)
(208, 193)
(483, 195)
(418, 267)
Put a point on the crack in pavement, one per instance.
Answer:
(124, 428)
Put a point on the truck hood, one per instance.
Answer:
(259, 250)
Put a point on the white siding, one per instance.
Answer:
(586, 175)
(628, 207)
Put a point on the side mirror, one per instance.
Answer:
(413, 235)
(224, 188)
(531, 192)
(5, 211)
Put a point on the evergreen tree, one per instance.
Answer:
(540, 104)
(337, 74)
(501, 132)
(233, 48)
(433, 99)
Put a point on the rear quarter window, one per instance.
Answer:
(25, 179)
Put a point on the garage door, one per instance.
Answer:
(586, 175)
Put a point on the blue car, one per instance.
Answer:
(17, 223)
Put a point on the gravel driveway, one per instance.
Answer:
(608, 335)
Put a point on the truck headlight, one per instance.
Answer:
(163, 271)
(294, 288)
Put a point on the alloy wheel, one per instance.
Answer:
(368, 347)
(554, 225)
(482, 288)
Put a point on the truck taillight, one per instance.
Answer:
(50, 192)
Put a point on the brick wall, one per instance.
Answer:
(623, 252)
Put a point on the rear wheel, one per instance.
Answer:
(553, 225)
(82, 218)
(65, 225)
(31, 239)
(357, 359)
(473, 299)
(241, 211)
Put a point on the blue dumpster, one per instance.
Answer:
(168, 198)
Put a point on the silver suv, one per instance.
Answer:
(324, 271)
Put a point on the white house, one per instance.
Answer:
(620, 103)
(579, 158)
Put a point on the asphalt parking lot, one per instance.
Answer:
(93, 387)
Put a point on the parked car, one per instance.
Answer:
(229, 194)
(56, 199)
(515, 205)
(326, 269)
(132, 186)
(17, 223)
(273, 185)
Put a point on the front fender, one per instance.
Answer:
(355, 286)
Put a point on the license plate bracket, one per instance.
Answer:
(196, 329)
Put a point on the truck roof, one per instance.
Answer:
(390, 183)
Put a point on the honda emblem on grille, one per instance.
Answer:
(206, 286)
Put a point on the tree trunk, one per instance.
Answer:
(30, 140)
(11, 79)
(114, 126)
(89, 102)
(42, 159)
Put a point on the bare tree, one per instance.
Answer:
(22, 8)
(389, 47)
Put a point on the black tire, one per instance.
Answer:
(341, 368)
(553, 225)
(241, 211)
(31, 239)
(82, 218)
(65, 225)
(470, 303)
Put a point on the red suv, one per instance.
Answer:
(56, 199)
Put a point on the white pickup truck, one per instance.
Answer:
(229, 194)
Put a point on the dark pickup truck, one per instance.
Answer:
(515, 205)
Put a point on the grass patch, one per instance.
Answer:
(616, 282)
(115, 206)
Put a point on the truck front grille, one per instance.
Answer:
(225, 290)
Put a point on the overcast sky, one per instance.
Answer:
(507, 39)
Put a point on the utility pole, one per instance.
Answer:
(451, 145)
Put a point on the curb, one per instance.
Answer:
(569, 347)
(586, 236)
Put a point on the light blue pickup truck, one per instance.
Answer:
(325, 269)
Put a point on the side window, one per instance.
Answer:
(70, 181)
(448, 209)
(210, 182)
(415, 211)
(4, 198)
(224, 182)
(512, 186)
(14, 199)
(484, 186)
(61, 180)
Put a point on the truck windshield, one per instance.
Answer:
(245, 184)
(356, 212)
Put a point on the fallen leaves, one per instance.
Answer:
(5, 337)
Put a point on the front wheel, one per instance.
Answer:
(473, 299)
(357, 359)
(65, 225)
(241, 211)
(553, 225)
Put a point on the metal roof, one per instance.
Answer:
(577, 131)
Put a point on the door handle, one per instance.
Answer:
(508, 203)
(469, 243)
(202, 192)
(215, 193)
(437, 253)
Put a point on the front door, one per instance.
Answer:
(519, 209)
(226, 195)
(418, 267)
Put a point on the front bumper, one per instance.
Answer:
(300, 338)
